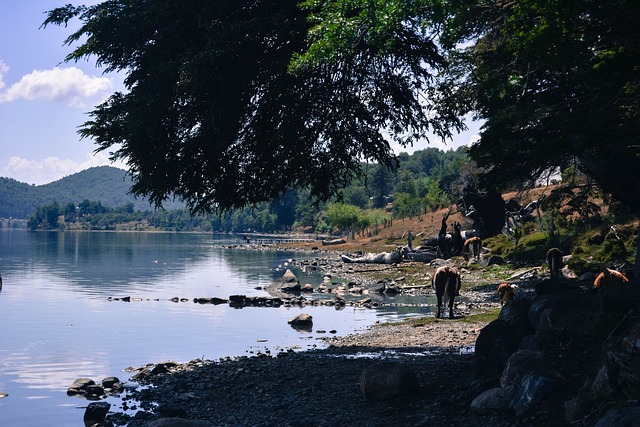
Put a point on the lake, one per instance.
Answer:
(62, 317)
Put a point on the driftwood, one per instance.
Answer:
(381, 258)
(333, 242)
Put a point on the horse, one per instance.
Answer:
(506, 293)
(471, 248)
(554, 260)
(446, 281)
(609, 276)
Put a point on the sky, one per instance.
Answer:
(44, 100)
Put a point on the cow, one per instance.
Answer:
(506, 293)
(471, 248)
(609, 276)
(446, 282)
(554, 261)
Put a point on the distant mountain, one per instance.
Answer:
(105, 184)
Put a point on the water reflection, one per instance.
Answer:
(58, 323)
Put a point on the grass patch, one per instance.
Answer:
(486, 316)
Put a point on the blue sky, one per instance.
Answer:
(43, 100)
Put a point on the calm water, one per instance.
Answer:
(58, 323)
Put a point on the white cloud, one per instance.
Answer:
(70, 86)
(50, 169)
(4, 68)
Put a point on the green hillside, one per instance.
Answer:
(105, 184)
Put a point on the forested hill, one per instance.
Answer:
(105, 184)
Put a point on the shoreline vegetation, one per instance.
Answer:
(327, 386)
(324, 387)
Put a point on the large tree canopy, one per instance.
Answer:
(557, 84)
(217, 114)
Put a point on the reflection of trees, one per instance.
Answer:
(92, 259)
(258, 262)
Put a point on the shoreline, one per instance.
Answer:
(320, 387)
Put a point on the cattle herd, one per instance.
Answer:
(447, 283)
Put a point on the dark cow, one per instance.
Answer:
(554, 262)
(446, 282)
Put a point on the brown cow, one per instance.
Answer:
(609, 276)
(506, 293)
(554, 261)
(446, 281)
(471, 248)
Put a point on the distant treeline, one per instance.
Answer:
(425, 181)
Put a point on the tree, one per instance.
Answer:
(217, 114)
(558, 85)
(343, 216)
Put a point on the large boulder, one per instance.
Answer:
(387, 380)
(496, 342)
(302, 322)
(515, 313)
(624, 417)
(492, 400)
(96, 412)
(531, 391)
(286, 284)
(521, 364)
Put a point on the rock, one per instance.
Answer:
(94, 391)
(631, 340)
(288, 277)
(392, 289)
(288, 283)
(520, 364)
(162, 368)
(95, 412)
(377, 288)
(573, 411)
(178, 422)
(624, 417)
(495, 260)
(542, 303)
(496, 342)
(439, 262)
(79, 386)
(494, 399)
(387, 380)
(550, 286)
(111, 382)
(213, 300)
(516, 315)
(302, 321)
(621, 371)
(532, 391)
(587, 277)
(567, 273)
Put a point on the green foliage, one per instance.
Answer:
(556, 88)
(45, 217)
(342, 216)
(214, 114)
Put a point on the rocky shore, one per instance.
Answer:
(545, 360)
